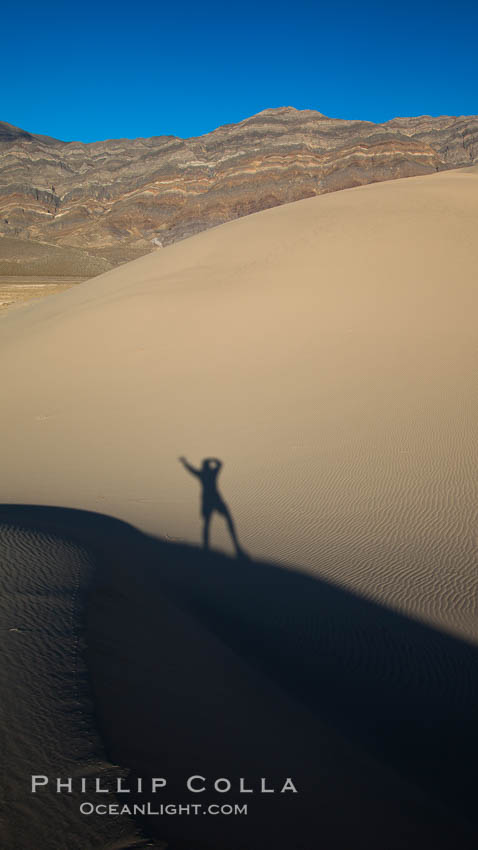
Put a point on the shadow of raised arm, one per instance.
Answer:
(191, 469)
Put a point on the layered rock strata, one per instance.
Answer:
(121, 198)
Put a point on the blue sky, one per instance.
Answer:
(102, 70)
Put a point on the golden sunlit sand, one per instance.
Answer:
(325, 351)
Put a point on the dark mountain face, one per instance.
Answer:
(121, 198)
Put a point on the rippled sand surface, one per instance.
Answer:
(46, 717)
(326, 351)
(206, 665)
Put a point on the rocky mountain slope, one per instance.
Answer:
(121, 198)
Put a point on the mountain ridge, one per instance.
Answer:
(121, 198)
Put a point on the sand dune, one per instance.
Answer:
(203, 664)
(326, 352)
(46, 717)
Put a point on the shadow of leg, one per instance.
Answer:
(205, 530)
(232, 531)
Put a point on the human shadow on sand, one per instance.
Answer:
(167, 625)
(211, 499)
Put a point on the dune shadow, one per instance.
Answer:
(402, 692)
